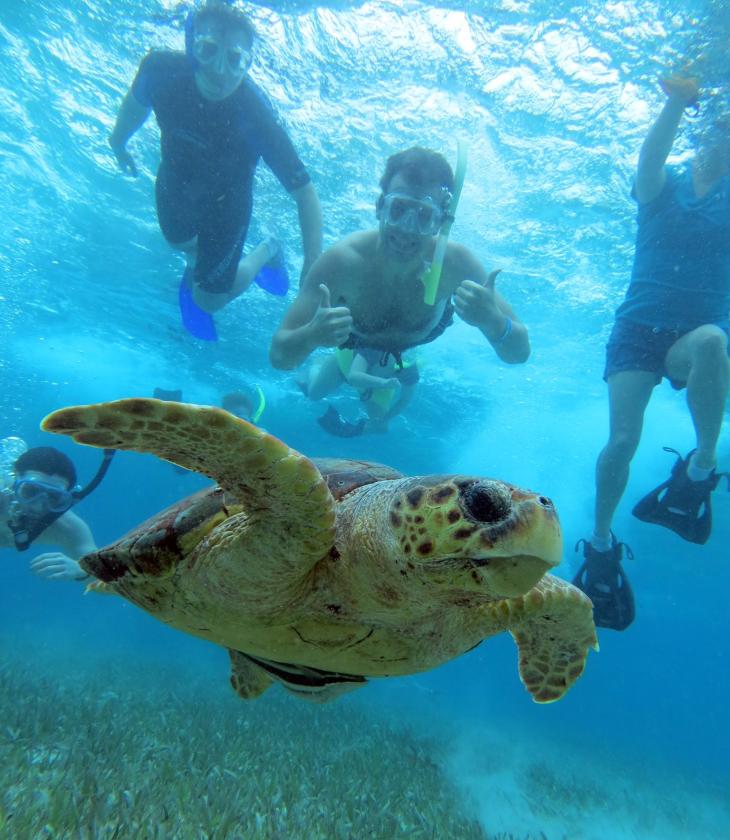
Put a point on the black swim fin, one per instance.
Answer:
(331, 421)
(680, 504)
(604, 581)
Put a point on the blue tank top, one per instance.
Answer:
(681, 274)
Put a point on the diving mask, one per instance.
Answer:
(208, 50)
(29, 492)
(412, 215)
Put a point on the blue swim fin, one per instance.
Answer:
(196, 321)
(273, 277)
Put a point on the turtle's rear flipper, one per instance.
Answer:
(604, 581)
(553, 628)
(680, 504)
(249, 681)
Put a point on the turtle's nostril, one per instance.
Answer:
(486, 503)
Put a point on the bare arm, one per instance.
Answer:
(479, 304)
(130, 118)
(512, 343)
(310, 224)
(311, 321)
(74, 537)
(650, 174)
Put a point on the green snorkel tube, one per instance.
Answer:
(432, 276)
(261, 406)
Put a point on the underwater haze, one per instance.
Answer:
(115, 726)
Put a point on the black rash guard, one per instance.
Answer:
(209, 152)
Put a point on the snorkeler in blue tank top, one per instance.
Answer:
(673, 323)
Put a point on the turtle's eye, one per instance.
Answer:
(485, 503)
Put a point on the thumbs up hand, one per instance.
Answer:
(331, 325)
(475, 302)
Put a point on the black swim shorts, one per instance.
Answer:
(633, 346)
(219, 219)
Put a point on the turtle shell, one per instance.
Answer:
(344, 476)
(325, 573)
(158, 543)
(161, 541)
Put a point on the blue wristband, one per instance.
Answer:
(506, 333)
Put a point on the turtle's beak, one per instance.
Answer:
(509, 577)
(510, 561)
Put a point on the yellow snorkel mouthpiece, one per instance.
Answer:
(432, 276)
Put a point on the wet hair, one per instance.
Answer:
(47, 460)
(227, 17)
(418, 166)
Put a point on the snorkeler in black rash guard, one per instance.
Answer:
(215, 124)
(370, 289)
(35, 506)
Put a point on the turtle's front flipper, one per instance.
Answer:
(554, 630)
(272, 481)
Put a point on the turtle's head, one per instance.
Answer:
(475, 534)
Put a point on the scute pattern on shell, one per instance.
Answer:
(346, 572)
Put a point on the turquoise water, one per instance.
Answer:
(554, 100)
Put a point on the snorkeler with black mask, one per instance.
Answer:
(37, 492)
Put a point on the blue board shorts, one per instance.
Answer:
(633, 346)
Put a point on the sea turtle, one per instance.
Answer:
(319, 574)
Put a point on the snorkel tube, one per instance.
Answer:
(432, 276)
(106, 461)
(189, 26)
(256, 416)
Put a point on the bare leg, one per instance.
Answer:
(248, 267)
(628, 396)
(322, 378)
(251, 264)
(700, 359)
